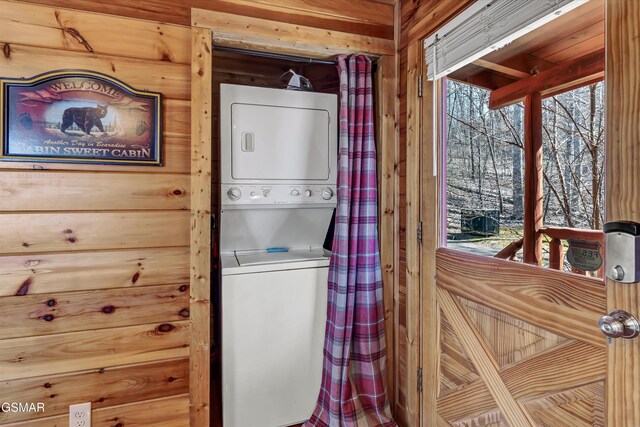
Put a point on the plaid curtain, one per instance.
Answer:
(353, 378)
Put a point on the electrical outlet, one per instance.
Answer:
(80, 415)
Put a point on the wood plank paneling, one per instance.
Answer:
(66, 272)
(177, 159)
(76, 351)
(623, 196)
(38, 233)
(362, 17)
(165, 412)
(158, 76)
(28, 191)
(102, 387)
(94, 272)
(45, 314)
(63, 29)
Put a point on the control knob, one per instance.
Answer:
(327, 193)
(308, 192)
(295, 192)
(266, 192)
(234, 193)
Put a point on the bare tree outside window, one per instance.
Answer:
(485, 165)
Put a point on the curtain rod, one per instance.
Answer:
(271, 55)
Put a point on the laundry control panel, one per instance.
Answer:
(249, 195)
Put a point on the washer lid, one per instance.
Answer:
(247, 258)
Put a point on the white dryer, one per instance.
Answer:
(278, 176)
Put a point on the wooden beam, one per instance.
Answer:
(503, 69)
(556, 254)
(255, 33)
(485, 79)
(201, 151)
(588, 67)
(622, 156)
(589, 80)
(509, 251)
(533, 209)
(565, 233)
(487, 367)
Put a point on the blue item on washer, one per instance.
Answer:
(273, 250)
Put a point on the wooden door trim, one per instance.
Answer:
(430, 217)
(413, 317)
(261, 34)
(255, 33)
(200, 258)
(388, 158)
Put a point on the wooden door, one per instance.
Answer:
(517, 345)
(623, 196)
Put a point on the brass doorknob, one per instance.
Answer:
(620, 324)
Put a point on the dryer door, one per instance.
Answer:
(279, 143)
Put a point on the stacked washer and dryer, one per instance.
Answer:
(278, 178)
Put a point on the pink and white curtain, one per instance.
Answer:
(353, 378)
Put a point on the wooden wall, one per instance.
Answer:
(94, 260)
(418, 19)
(360, 17)
(94, 288)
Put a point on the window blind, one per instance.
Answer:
(486, 26)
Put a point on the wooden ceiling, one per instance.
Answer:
(560, 48)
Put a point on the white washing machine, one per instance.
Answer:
(278, 176)
(274, 310)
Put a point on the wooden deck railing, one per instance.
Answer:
(556, 247)
(510, 251)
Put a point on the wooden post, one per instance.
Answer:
(556, 254)
(200, 271)
(387, 148)
(414, 112)
(532, 247)
(623, 196)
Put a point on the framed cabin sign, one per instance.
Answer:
(81, 117)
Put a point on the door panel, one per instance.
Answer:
(532, 355)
